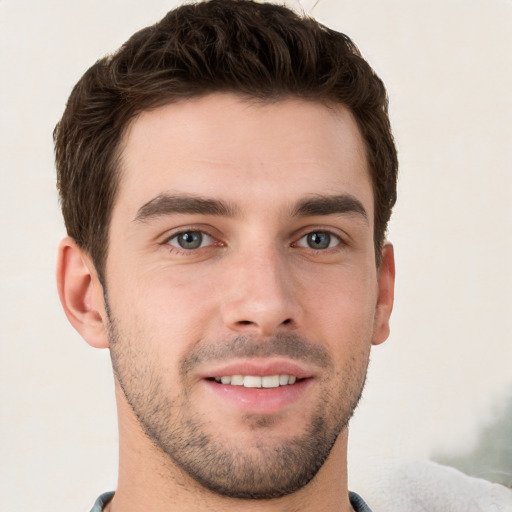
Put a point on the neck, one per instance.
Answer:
(149, 480)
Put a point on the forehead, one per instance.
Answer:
(233, 148)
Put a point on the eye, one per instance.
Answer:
(190, 240)
(319, 240)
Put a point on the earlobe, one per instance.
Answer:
(386, 292)
(81, 293)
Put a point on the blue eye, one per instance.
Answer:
(319, 240)
(190, 240)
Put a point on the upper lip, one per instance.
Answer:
(258, 367)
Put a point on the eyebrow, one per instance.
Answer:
(165, 204)
(330, 205)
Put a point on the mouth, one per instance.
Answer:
(255, 381)
(261, 387)
(266, 374)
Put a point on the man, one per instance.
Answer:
(226, 180)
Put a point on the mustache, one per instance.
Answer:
(290, 345)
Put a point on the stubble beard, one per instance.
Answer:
(262, 470)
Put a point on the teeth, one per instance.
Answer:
(270, 382)
(284, 379)
(236, 380)
(252, 381)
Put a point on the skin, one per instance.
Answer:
(253, 293)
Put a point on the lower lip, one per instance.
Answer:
(260, 400)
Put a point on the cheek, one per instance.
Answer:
(351, 284)
(167, 306)
(343, 305)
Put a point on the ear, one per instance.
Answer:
(386, 293)
(81, 293)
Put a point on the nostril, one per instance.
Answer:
(265, 323)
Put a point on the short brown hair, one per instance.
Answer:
(258, 50)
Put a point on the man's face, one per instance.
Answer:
(242, 288)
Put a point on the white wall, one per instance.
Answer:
(445, 373)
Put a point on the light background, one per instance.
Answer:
(440, 387)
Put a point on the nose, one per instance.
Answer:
(262, 296)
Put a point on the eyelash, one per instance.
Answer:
(188, 252)
(339, 241)
(332, 237)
